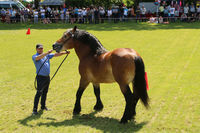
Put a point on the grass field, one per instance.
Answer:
(172, 59)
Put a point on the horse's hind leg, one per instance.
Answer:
(128, 112)
(135, 101)
(99, 105)
(77, 108)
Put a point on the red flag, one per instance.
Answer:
(180, 3)
(146, 81)
(64, 5)
(28, 31)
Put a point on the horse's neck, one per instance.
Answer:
(82, 50)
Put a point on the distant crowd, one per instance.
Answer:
(94, 15)
(174, 11)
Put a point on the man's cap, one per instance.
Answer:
(39, 46)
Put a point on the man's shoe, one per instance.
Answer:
(34, 113)
(45, 108)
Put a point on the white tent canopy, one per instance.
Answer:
(52, 2)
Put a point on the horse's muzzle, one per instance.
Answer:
(57, 47)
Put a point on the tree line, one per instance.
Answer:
(105, 3)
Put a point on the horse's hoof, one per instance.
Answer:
(98, 107)
(123, 121)
(131, 117)
(76, 111)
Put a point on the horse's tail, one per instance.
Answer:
(139, 82)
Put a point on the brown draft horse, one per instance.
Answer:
(97, 65)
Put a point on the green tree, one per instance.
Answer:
(36, 3)
(84, 3)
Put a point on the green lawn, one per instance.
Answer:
(171, 56)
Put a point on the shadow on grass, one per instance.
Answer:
(104, 124)
(103, 27)
(30, 118)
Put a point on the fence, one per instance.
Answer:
(85, 20)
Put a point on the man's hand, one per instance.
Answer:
(50, 51)
(67, 52)
(43, 55)
(61, 53)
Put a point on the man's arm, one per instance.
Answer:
(43, 55)
(61, 53)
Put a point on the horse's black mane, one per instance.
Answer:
(89, 39)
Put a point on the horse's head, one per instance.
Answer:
(66, 41)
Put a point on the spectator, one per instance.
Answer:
(132, 12)
(48, 9)
(166, 13)
(176, 14)
(192, 10)
(62, 15)
(67, 16)
(13, 16)
(76, 14)
(153, 20)
(8, 14)
(42, 11)
(115, 14)
(138, 13)
(92, 11)
(160, 20)
(72, 16)
(198, 10)
(17, 19)
(198, 17)
(125, 16)
(48, 12)
(96, 16)
(102, 14)
(22, 18)
(56, 13)
(184, 18)
(177, 6)
(84, 13)
(30, 15)
(109, 13)
(172, 12)
(121, 13)
(35, 13)
(46, 21)
(89, 14)
(80, 16)
(143, 13)
(161, 10)
(193, 18)
(3, 15)
(52, 15)
(186, 10)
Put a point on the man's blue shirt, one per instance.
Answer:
(45, 70)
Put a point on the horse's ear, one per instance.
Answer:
(74, 29)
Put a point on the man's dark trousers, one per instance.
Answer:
(42, 89)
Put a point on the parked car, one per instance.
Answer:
(11, 4)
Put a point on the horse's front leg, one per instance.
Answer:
(82, 86)
(99, 105)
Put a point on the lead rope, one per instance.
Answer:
(59, 66)
(53, 75)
